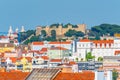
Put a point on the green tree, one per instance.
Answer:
(27, 41)
(24, 35)
(34, 38)
(97, 38)
(79, 34)
(56, 25)
(100, 59)
(69, 33)
(43, 32)
(75, 33)
(115, 74)
(77, 59)
(53, 34)
(89, 56)
(105, 29)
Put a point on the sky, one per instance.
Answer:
(31, 13)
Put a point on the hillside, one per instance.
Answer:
(97, 31)
(104, 29)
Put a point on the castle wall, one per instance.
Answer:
(60, 31)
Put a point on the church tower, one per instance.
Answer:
(16, 30)
(10, 31)
(22, 30)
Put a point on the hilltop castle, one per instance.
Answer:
(60, 30)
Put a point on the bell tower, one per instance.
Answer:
(10, 31)
(22, 29)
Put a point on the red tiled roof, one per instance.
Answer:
(8, 51)
(85, 40)
(75, 76)
(34, 51)
(97, 41)
(58, 48)
(3, 60)
(117, 52)
(37, 57)
(1, 55)
(24, 52)
(29, 59)
(38, 43)
(56, 60)
(45, 57)
(43, 50)
(13, 75)
(14, 59)
(72, 62)
(15, 71)
(69, 42)
(103, 41)
(3, 37)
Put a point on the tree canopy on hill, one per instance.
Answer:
(96, 31)
(63, 25)
(24, 35)
(75, 33)
(104, 29)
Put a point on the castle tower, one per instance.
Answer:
(22, 29)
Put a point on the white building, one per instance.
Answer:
(102, 75)
(40, 45)
(83, 47)
(4, 39)
(37, 45)
(98, 48)
(67, 45)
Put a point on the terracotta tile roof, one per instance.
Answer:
(36, 51)
(72, 62)
(1, 55)
(19, 58)
(117, 52)
(13, 75)
(85, 40)
(103, 41)
(3, 37)
(8, 51)
(37, 57)
(24, 52)
(14, 59)
(45, 57)
(58, 48)
(3, 60)
(15, 71)
(56, 60)
(68, 42)
(29, 59)
(75, 76)
(42, 51)
(38, 43)
(97, 41)
(6, 45)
